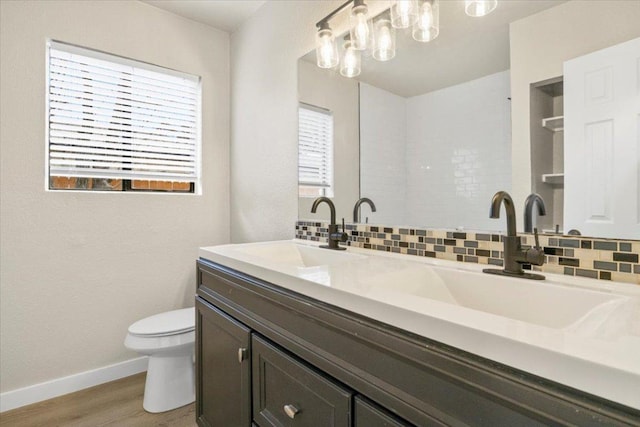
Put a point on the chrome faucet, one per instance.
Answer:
(532, 199)
(356, 208)
(514, 254)
(334, 236)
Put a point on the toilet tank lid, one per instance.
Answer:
(175, 321)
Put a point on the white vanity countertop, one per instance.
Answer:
(598, 353)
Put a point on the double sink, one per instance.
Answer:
(550, 304)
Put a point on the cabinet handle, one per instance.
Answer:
(242, 354)
(291, 411)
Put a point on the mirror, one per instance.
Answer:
(438, 137)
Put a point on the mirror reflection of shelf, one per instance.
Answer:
(555, 124)
(553, 178)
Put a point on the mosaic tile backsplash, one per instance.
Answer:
(605, 259)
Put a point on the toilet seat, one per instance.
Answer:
(165, 324)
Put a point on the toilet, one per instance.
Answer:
(169, 340)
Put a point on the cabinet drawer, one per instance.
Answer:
(288, 393)
(368, 414)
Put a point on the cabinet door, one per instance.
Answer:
(223, 381)
(368, 414)
(287, 393)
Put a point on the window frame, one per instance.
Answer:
(195, 187)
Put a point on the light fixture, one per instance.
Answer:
(478, 8)
(350, 64)
(427, 27)
(377, 37)
(404, 13)
(384, 39)
(326, 48)
(360, 24)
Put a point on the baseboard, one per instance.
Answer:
(65, 385)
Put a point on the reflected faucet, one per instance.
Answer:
(532, 199)
(514, 254)
(334, 235)
(356, 208)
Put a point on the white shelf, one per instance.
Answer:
(553, 178)
(554, 124)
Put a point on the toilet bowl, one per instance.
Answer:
(168, 339)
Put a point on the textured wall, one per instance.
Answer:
(78, 268)
(264, 124)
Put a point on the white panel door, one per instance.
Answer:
(602, 142)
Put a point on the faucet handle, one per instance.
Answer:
(344, 236)
(535, 255)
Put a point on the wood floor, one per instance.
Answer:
(118, 403)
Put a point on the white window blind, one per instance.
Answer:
(315, 147)
(111, 117)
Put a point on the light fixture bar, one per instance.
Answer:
(324, 22)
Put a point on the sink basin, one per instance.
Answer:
(296, 255)
(404, 283)
(547, 304)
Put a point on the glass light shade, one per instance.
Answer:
(351, 62)
(427, 27)
(326, 49)
(479, 7)
(384, 40)
(360, 32)
(404, 13)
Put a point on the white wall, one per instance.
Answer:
(329, 90)
(539, 46)
(264, 149)
(458, 153)
(383, 141)
(437, 159)
(79, 268)
(264, 126)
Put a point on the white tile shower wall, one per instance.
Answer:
(382, 153)
(458, 153)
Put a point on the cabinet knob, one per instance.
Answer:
(242, 354)
(291, 411)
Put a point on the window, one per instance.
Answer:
(315, 151)
(116, 124)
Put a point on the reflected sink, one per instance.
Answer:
(296, 255)
(547, 304)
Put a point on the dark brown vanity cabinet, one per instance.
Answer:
(235, 365)
(223, 369)
(368, 414)
(267, 356)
